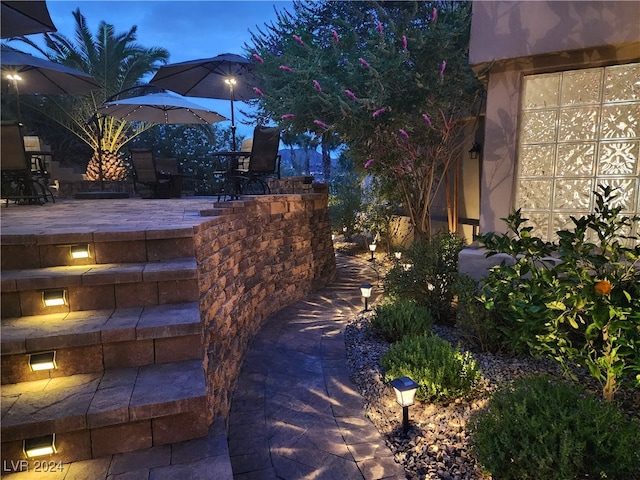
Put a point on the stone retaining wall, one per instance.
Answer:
(254, 258)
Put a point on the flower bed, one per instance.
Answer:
(437, 445)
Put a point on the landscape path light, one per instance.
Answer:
(365, 290)
(405, 389)
(372, 248)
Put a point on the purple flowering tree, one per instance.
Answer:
(390, 80)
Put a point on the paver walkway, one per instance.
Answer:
(295, 414)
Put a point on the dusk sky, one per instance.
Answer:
(189, 30)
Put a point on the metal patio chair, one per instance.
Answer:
(146, 172)
(248, 178)
(20, 183)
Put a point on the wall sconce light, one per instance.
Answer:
(42, 361)
(39, 446)
(398, 255)
(80, 251)
(372, 248)
(54, 298)
(365, 290)
(474, 152)
(405, 389)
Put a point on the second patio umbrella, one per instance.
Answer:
(160, 108)
(226, 77)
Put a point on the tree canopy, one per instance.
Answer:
(390, 80)
(117, 63)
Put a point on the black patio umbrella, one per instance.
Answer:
(24, 18)
(27, 74)
(37, 75)
(226, 77)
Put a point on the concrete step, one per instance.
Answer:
(100, 286)
(50, 245)
(110, 412)
(91, 341)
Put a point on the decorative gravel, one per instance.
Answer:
(437, 444)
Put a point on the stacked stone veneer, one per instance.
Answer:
(254, 258)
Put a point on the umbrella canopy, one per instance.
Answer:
(24, 18)
(160, 108)
(37, 75)
(226, 77)
(206, 77)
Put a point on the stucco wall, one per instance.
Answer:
(513, 29)
(255, 258)
(512, 39)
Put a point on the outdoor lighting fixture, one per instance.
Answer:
(39, 446)
(14, 77)
(398, 255)
(474, 152)
(80, 251)
(42, 361)
(372, 248)
(405, 389)
(230, 81)
(365, 289)
(54, 298)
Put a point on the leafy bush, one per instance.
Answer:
(427, 273)
(442, 372)
(474, 321)
(577, 301)
(540, 428)
(345, 197)
(395, 319)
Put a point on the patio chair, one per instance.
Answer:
(146, 172)
(19, 182)
(263, 162)
(182, 183)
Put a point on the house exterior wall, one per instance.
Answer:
(510, 39)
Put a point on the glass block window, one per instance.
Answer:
(578, 129)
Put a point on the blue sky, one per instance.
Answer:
(189, 30)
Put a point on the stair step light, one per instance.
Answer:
(39, 446)
(80, 251)
(42, 361)
(55, 297)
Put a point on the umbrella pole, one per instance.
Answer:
(231, 81)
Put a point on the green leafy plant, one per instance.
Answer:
(443, 372)
(474, 321)
(345, 197)
(577, 301)
(539, 428)
(397, 318)
(426, 274)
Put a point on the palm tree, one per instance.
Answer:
(117, 63)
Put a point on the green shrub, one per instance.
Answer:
(539, 428)
(431, 275)
(443, 372)
(577, 301)
(474, 321)
(395, 319)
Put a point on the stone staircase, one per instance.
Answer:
(127, 342)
